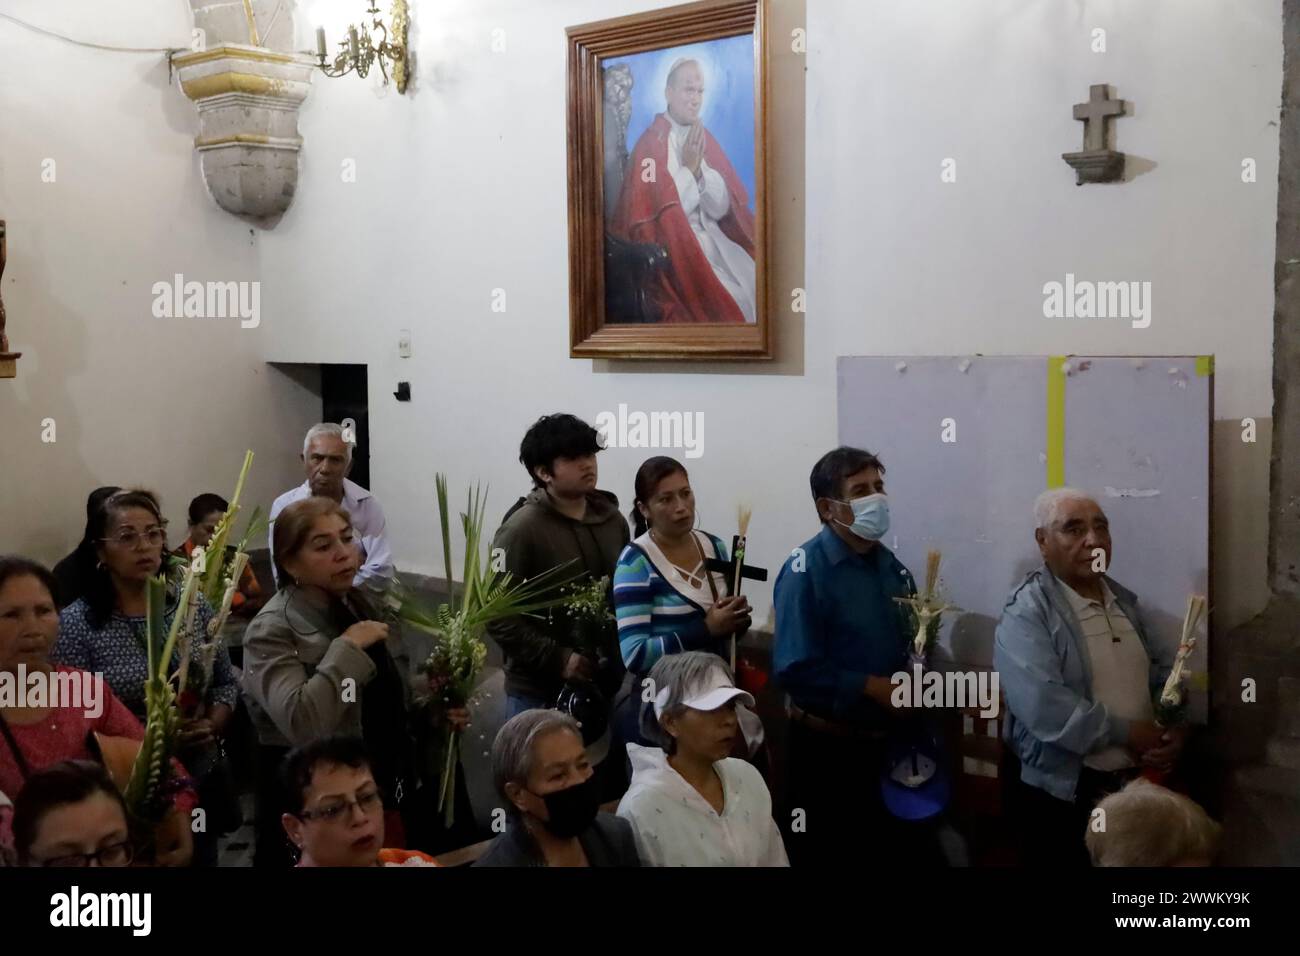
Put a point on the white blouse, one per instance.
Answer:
(675, 826)
(693, 584)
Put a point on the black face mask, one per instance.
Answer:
(572, 809)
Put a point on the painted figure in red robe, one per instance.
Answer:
(681, 192)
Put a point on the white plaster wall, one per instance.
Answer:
(168, 403)
(460, 190)
(901, 262)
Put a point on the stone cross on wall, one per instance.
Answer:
(1094, 113)
(1095, 163)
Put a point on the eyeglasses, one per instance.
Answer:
(131, 539)
(119, 854)
(368, 802)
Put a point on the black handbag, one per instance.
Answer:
(215, 782)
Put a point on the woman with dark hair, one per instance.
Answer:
(34, 734)
(665, 598)
(72, 573)
(317, 661)
(335, 810)
(71, 814)
(205, 513)
(104, 631)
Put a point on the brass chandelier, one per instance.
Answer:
(359, 53)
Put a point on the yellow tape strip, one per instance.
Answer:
(1056, 420)
(1204, 365)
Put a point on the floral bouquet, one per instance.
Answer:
(1171, 704)
(457, 627)
(926, 613)
(588, 606)
(587, 603)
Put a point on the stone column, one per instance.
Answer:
(1261, 739)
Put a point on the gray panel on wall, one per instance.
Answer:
(1136, 436)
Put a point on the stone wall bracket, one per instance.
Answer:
(248, 99)
(1096, 166)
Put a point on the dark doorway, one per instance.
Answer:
(343, 395)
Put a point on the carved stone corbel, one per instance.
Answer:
(248, 99)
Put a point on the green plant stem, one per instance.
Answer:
(447, 802)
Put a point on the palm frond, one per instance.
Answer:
(256, 528)
(214, 584)
(144, 793)
(440, 481)
(457, 626)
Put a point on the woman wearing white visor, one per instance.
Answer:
(690, 804)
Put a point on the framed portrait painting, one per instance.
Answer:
(668, 221)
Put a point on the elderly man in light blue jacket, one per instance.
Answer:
(1079, 673)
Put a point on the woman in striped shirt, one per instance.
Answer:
(665, 598)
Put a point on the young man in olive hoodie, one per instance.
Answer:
(564, 521)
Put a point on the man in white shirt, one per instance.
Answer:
(1079, 674)
(327, 459)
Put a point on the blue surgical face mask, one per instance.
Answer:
(870, 516)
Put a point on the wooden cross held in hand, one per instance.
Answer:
(747, 571)
(735, 570)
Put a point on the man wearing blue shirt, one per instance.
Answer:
(839, 636)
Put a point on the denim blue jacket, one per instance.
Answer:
(1042, 661)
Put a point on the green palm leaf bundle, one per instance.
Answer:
(487, 593)
(149, 789)
(220, 569)
(217, 562)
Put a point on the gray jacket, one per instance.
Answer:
(1042, 662)
(295, 663)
